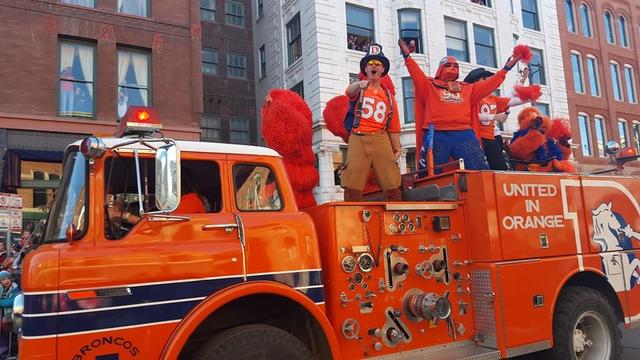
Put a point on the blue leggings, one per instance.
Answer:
(454, 144)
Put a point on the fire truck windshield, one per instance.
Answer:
(71, 200)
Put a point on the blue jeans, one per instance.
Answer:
(454, 144)
(66, 102)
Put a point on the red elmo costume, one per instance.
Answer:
(286, 128)
(534, 149)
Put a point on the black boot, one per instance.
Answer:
(393, 195)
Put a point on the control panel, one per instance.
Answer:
(399, 279)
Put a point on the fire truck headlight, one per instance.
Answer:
(18, 308)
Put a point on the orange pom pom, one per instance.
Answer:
(528, 93)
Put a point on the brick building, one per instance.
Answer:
(227, 70)
(70, 68)
(600, 44)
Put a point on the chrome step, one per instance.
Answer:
(461, 350)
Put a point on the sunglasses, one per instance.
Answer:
(374, 62)
(451, 64)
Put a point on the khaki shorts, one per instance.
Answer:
(367, 150)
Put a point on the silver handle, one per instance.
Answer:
(228, 228)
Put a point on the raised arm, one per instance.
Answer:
(417, 75)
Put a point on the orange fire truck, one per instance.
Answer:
(481, 265)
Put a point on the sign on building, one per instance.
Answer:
(10, 212)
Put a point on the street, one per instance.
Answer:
(630, 344)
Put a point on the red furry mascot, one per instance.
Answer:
(533, 146)
(286, 128)
(336, 110)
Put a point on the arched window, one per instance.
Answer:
(616, 81)
(38, 175)
(585, 134)
(601, 134)
(585, 20)
(577, 72)
(622, 29)
(569, 12)
(608, 28)
(623, 132)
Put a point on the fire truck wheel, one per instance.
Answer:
(585, 326)
(248, 342)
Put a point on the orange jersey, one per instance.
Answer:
(448, 110)
(375, 111)
(491, 105)
(190, 203)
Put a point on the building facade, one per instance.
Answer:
(72, 67)
(314, 47)
(600, 43)
(228, 72)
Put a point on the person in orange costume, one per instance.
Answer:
(493, 109)
(446, 103)
(375, 137)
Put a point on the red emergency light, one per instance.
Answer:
(139, 120)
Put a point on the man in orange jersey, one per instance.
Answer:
(375, 136)
(446, 103)
(492, 110)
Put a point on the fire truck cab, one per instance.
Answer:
(503, 264)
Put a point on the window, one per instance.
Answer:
(608, 28)
(569, 13)
(239, 130)
(208, 10)
(576, 68)
(622, 131)
(263, 62)
(456, 36)
(411, 160)
(486, 3)
(256, 188)
(636, 134)
(600, 135)
(134, 7)
(630, 82)
(76, 80)
(583, 123)
(530, 14)
(485, 46)
(594, 78)
(585, 20)
(299, 89)
(294, 40)
(133, 80)
(408, 99)
(87, 3)
(543, 108)
(233, 13)
(410, 29)
(236, 66)
(210, 61)
(40, 197)
(622, 30)
(360, 32)
(615, 81)
(536, 68)
(210, 126)
(260, 8)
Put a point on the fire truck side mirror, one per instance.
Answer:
(71, 233)
(167, 177)
(611, 148)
